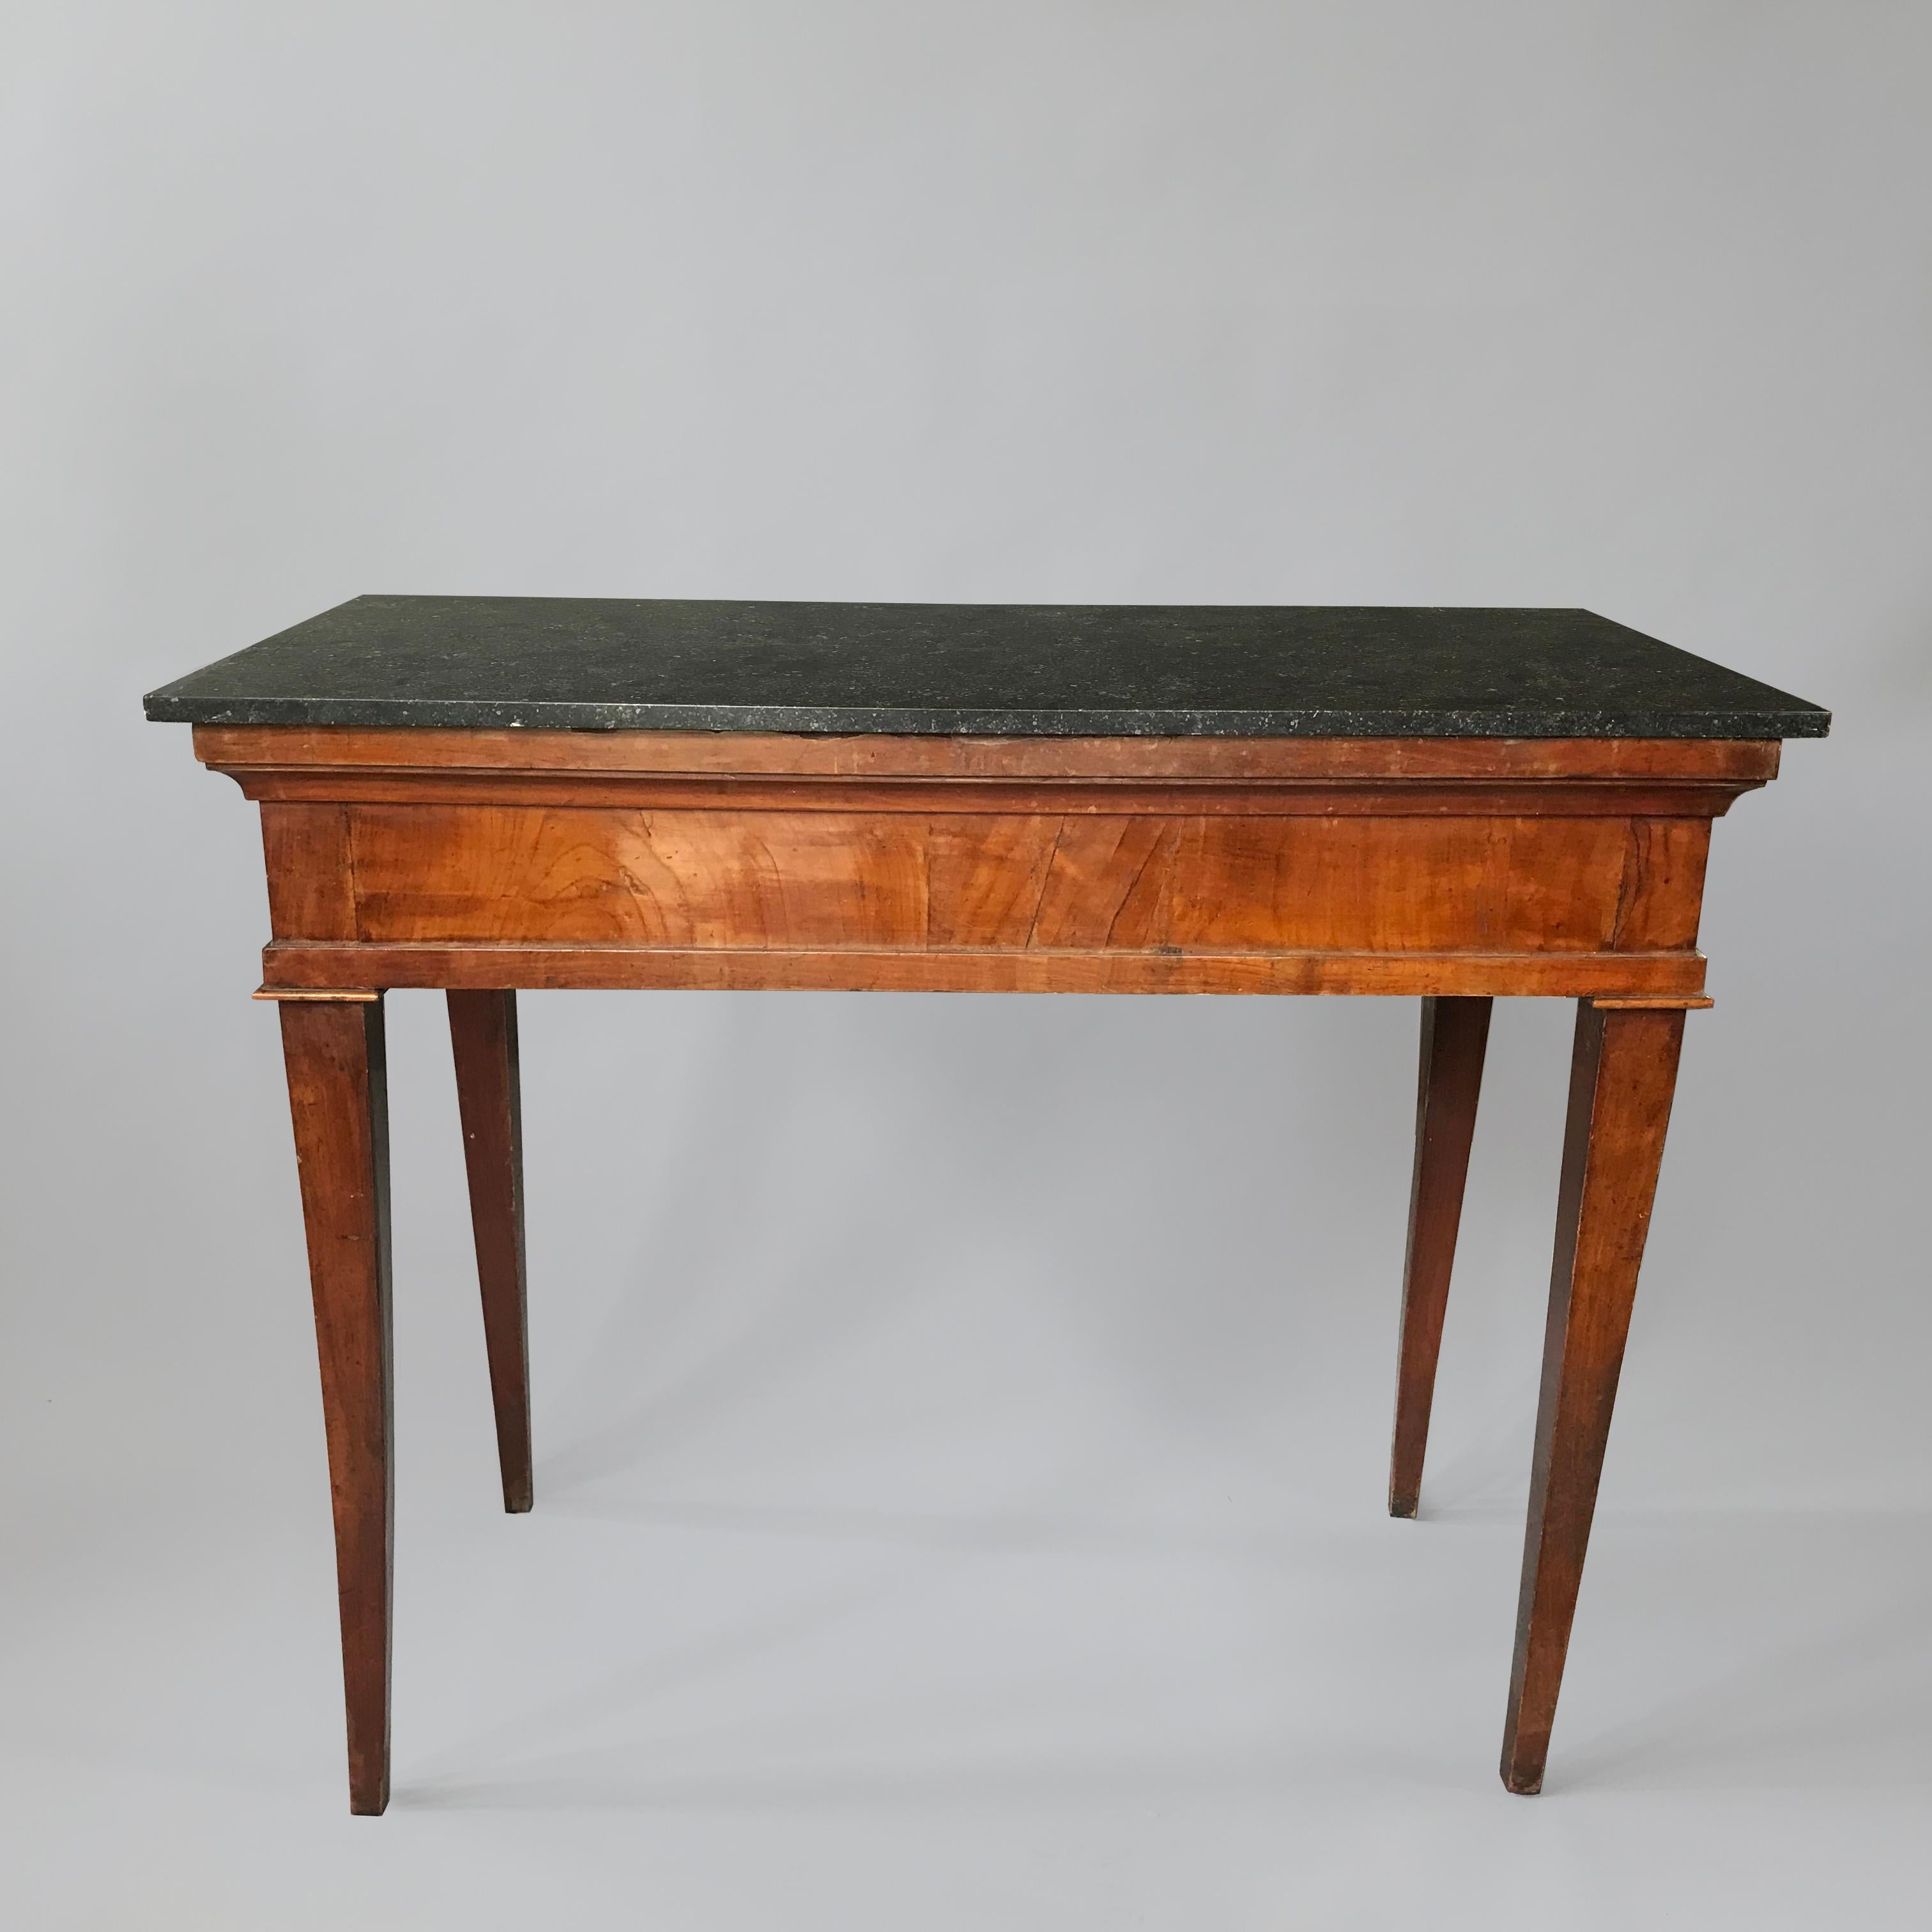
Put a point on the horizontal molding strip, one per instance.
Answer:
(1170, 798)
(694, 754)
(292, 965)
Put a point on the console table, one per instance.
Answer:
(484, 793)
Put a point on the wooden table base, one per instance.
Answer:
(480, 861)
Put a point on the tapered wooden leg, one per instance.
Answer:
(334, 1050)
(483, 1034)
(1454, 1033)
(1623, 1073)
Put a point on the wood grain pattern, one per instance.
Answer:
(1624, 1072)
(311, 877)
(814, 881)
(1455, 1033)
(483, 1038)
(1392, 859)
(338, 1100)
(1663, 894)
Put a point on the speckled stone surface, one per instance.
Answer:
(993, 669)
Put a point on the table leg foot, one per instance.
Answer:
(483, 1038)
(1455, 1033)
(337, 1098)
(1623, 1073)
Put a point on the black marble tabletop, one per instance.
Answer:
(992, 669)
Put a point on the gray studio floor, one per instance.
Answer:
(1004, 1549)
(1112, 1696)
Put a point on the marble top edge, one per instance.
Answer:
(1085, 724)
(1000, 671)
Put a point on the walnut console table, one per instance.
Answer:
(485, 793)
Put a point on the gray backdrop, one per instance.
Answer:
(961, 1422)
